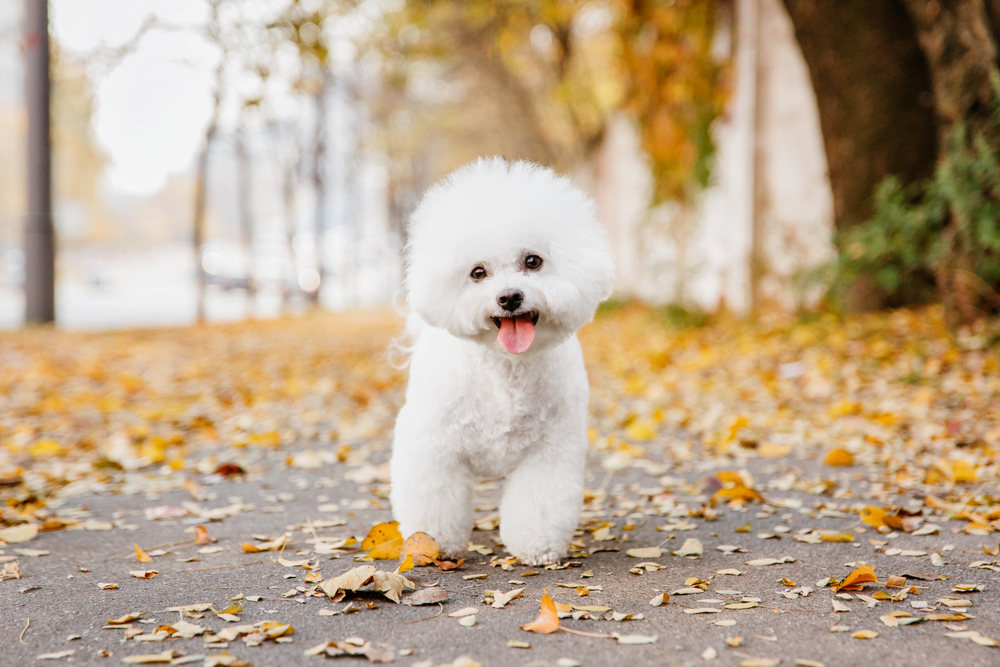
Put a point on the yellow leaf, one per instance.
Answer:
(422, 547)
(865, 634)
(963, 473)
(383, 541)
(201, 535)
(641, 431)
(47, 448)
(855, 580)
(142, 555)
(406, 564)
(837, 537)
(839, 457)
(874, 516)
(547, 621)
(740, 494)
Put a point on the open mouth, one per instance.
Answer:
(532, 313)
(516, 332)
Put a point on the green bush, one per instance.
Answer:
(934, 240)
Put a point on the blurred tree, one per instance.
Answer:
(540, 80)
(77, 162)
(676, 87)
(903, 85)
(893, 79)
(305, 26)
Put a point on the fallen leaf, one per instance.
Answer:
(864, 634)
(645, 552)
(547, 621)
(143, 574)
(384, 541)
(839, 457)
(142, 555)
(56, 656)
(105, 586)
(855, 580)
(351, 580)
(431, 595)
(151, 658)
(501, 599)
(201, 535)
(465, 611)
(659, 600)
(421, 546)
(391, 584)
(405, 565)
(18, 534)
(757, 562)
(634, 639)
(691, 547)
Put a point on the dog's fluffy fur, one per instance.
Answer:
(474, 409)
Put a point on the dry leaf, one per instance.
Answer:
(422, 547)
(839, 457)
(855, 580)
(18, 534)
(56, 656)
(384, 541)
(201, 535)
(634, 639)
(864, 634)
(547, 621)
(691, 547)
(645, 552)
(431, 595)
(151, 659)
(143, 574)
(142, 555)
(391, 584)
(351, 580)
(501, 599)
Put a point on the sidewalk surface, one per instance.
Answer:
(750, 497)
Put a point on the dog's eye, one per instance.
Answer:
(478, 273)
(532, 262)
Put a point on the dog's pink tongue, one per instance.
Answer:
(516, 333)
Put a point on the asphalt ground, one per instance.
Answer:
(57, 604)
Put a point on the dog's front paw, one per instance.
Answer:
(550, 558)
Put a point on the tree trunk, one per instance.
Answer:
(244, 195)
(200, 207)
(319, 177)
(959, 40)
(873, 89)
(39, 236)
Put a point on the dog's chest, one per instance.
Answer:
(498, 420)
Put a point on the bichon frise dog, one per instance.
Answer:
(504, 262)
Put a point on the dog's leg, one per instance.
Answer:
(433, 497)
(541, 506)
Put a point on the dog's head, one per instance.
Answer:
(508, 254)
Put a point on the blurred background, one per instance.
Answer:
(218, 160)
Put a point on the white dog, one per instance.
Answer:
(504, 262)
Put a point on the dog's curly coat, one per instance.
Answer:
(504, 262)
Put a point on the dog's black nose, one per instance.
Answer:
(510, 299)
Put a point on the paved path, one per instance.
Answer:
(60, 595)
